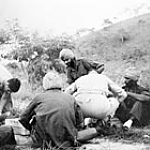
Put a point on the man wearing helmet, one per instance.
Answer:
(53, 117)
(135, 108)
(76, 68)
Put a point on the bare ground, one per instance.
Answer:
(103, 144)
(135, 139)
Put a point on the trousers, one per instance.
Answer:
(7, 136)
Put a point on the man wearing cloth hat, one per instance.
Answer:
(136, 107)
(76, 68)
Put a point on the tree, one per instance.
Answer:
(40, 52)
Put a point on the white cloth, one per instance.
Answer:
(91, 94)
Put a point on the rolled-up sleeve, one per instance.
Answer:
(27, 114)
(71, 88)
(118, 92)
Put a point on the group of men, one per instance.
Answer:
(133, 105)
(56, 118)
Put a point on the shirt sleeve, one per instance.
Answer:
(71, 89)
(99, 67)
(27, 114)
(144, 91)
(71, 75)
(87, 64)
(118, 92)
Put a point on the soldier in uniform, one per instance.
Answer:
(76, 68)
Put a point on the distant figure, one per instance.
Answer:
(78, 67)
(8, 84)
(97, 95)
(136, 107)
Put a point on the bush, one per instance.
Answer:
(39, 66)
(134, 54)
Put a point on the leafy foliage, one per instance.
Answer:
(40, 52)
(38, 67)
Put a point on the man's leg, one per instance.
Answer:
(87, 134)
(7, 136)
(135, 115)
(136, 110)
(145, 117)
(122, 112)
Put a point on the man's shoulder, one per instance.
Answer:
(85, 61)
(82, 59)
(90, 61)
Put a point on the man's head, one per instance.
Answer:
(131, 75)
(13, 84)
(66, 55)
(52, 80)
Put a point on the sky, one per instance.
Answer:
(67, 15)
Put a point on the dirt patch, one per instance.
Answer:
(135, 139)
(106, 144)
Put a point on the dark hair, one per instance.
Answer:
(14, 84)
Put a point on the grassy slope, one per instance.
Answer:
(106, 45)
(121, 45)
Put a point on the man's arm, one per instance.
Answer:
(71, 88)
(3, 101)
(117, 91)
(139, 97)
(27, 114)
(71, 75)
(97, 66)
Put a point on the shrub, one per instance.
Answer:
(39, 66)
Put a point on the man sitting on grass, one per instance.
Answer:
(53, 117)
(135, 110)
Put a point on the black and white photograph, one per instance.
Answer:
(74, 74)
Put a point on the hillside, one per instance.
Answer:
(119, 46)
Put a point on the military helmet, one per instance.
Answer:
(52, 80)
(66, 54)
